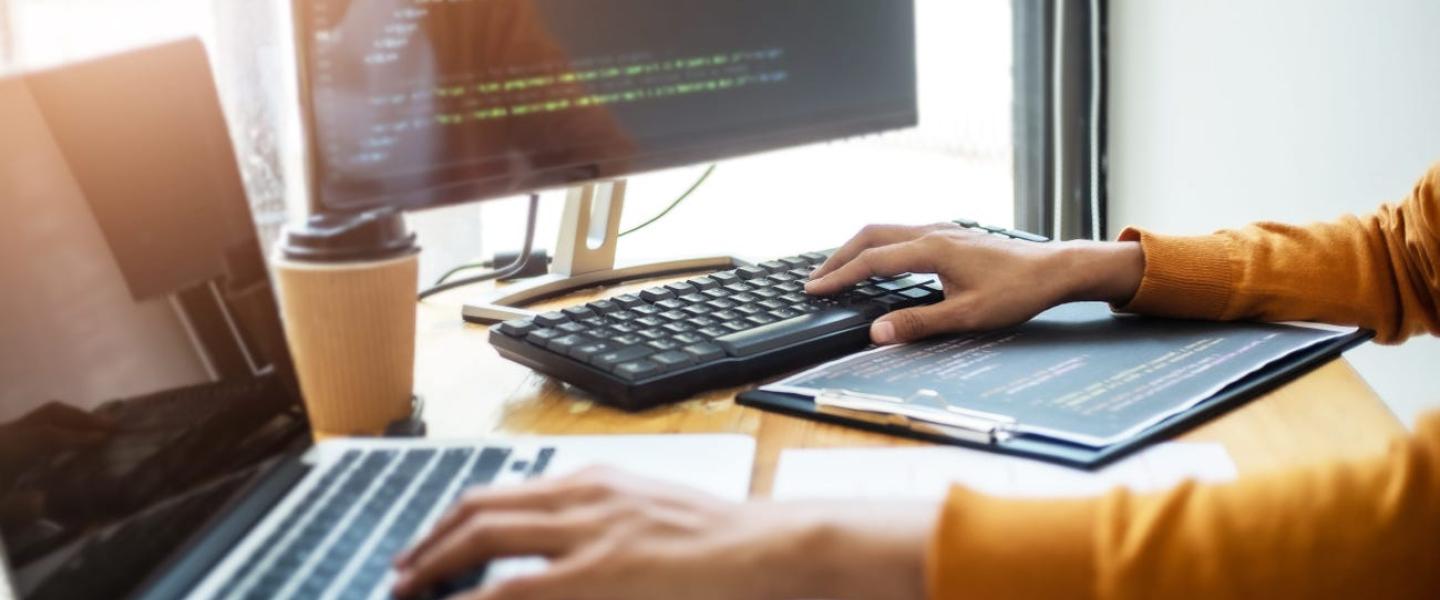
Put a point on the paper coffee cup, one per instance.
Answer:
(347, 293)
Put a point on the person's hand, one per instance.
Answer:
(614, 536)
(990, 282)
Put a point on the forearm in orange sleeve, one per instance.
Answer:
(1360, 529)
(1381, 272)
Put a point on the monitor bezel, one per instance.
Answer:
(904, 114)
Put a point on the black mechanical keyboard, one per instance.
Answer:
(718, 330)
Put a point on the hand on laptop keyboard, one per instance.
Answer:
(612, 535)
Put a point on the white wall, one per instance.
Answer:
(1229, 111)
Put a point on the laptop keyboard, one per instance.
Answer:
(340, 539)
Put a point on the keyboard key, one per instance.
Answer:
(636, 370)
(738, 287)
(551, 319)
(721, 303)
(773, 266)
(650, 321)
(681, 287)
(702, 321)
(705, 283)
(672, 360)
(629, 301)
(771, 304)
(751, 272)
(608, 360)
(656, 294)
(578, 313)
(654, 334)
(781, 314)
(688, 337)
(645, 310)
(661, 346)
(623, 328)
(704, 352)
(790, 331)
(735, 325)
(517, 327)
(628, 339)
(790, 287)
(713, 331)
(542, 337)
(698, 310)
(795, 262)
(815, 258)
(584, 352)
(621, 316)
(676, 327)
(670, 304)
(604, 306)
(570, 327)
(563, 344)
(900, 284)
(694, 298)
(760, 319)
(674, 315)
(920, 294)
(726, 315)
(725, 277)
(767, 293)
(745, 297)
(892, 302)
(716, 293)
(749, 309)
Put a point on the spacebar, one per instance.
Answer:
(789, 331)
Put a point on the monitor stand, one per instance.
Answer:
(584, 258)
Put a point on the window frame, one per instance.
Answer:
(1061, 160)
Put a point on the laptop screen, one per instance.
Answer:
(144, 377)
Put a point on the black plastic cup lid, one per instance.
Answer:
(371, 235)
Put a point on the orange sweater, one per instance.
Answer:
(1356, 529)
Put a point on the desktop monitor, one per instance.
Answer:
(422, 103)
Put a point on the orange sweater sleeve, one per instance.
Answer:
(1355, 529)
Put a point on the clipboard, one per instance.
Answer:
(998, 433)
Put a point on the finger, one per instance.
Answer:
(487, 536)
(542, 495)
(914, 255)
(915, 323)
(870, 236)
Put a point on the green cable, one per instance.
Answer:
(703, 177)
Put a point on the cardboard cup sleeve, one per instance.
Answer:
(351, 329)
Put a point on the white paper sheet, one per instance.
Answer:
(929, 472)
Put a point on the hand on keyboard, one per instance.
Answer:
(990, 282)
(612, 535)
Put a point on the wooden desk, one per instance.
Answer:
(1328, 414)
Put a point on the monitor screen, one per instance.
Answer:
(144, 376)
(417, 103)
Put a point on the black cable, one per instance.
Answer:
(513, 268)
(479, 265)
(695, 186)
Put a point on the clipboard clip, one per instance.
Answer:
(918, 413)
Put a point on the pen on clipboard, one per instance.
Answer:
(949, 421)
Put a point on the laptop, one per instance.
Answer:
(153, 441)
